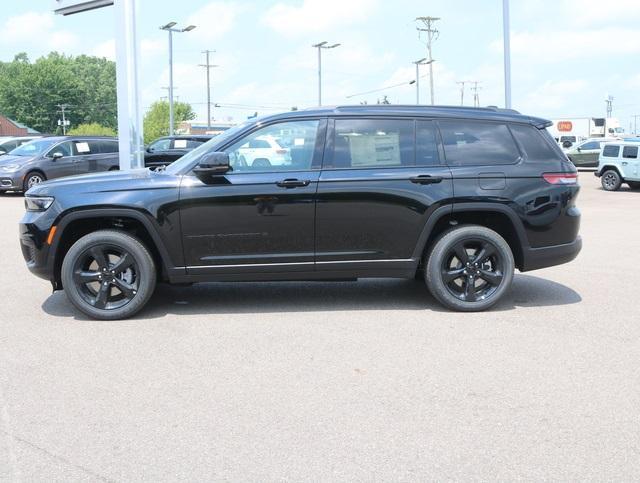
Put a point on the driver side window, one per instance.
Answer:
(285, 146)
(66, 149)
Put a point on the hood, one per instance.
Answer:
(8, 159)
(106, 181)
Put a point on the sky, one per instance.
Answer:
(567, 55)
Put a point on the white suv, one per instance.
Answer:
(264, 151)
(619, 163)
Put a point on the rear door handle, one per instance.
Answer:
(425, 179)
(293, 183)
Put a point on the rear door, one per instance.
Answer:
(87, 157)
(631, 170)
(381, 180)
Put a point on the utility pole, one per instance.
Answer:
(507, 53)
(418, 63)
(170, 29)
(63, 108)
(432, 34)
(208, 66)
(609, 101)
(462, 83)
(635, 123)
(476, 96)
(320, 46)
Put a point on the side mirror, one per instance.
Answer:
(212, 166)
(579, 149)
(56, 155)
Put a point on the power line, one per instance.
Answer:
(476, 96)
(63, 108)
(462, 84)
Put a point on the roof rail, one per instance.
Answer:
(418, 106)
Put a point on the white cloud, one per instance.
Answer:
(312, 16)
(214, 20)
(105, 49)
(595, 12)
(553, 96)
(37, 29)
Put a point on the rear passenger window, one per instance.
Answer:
(426, 144)
(477, 143)
(380, 143)
(611, 151)
(534, 144)
(630, 152)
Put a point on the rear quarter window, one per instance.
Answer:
(611, 151)
(534, 144)
(630, 152)
(469, 143)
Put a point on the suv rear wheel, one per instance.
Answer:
(610, 180)
(469, 268)
(108, 275)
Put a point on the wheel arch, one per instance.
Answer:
(499, 218)
(75, 225)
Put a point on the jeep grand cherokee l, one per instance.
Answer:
(458, 196)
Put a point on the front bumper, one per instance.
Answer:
(10, 183)
(535, 258)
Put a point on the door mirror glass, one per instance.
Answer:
(212, 166)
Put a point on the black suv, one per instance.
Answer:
(167, 149)
(459, 196)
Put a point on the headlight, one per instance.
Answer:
(37, 203)
(10, 167)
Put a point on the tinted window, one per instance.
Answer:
(426, 144)
(591, 145)
(477, 143)
(534, 144)
(108, 146)
(361, 143)
(160, 145)
(611, 151)
(85, 147)
(300, 135)
(259, 144)
(194, 143)
(630, 152)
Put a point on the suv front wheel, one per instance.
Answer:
(108, 275)
(469, 268)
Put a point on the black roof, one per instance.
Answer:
(455, 112)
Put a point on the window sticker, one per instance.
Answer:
(180, 143)
(83, 148)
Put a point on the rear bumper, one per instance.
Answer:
(535, 258)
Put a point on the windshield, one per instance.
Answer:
(209, 146)
(33, 148)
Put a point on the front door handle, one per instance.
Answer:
(425, 179)
(293, 183)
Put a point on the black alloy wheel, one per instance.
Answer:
(469, 268)
(108, 274)
(611, 180)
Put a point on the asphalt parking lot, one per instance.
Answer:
(345, 381)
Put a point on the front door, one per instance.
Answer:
(257, 218)
(586, 154)
(63, 164)
(381, 180)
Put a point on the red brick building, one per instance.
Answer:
(8, 127)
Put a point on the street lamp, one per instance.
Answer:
(320, 46)
(418, 63)
(507, 53)
(170, 28)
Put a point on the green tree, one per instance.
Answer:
(30, 92)
(91, 129)
(156, 120)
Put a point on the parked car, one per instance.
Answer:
(618, 163)
(54, 157)
(460, 196)
(8, 143)
(585, 154)
(165, 150)
(263, 151)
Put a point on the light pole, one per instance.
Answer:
(418, 63)
(170, 28)
(507, 54)
(320, 46)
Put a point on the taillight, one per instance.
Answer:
(561, 178)
(281, 151)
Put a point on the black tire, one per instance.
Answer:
(33, 178)
(458, 280)
(610, 180)
(261, 163)
(634, 185)
(105, 260)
